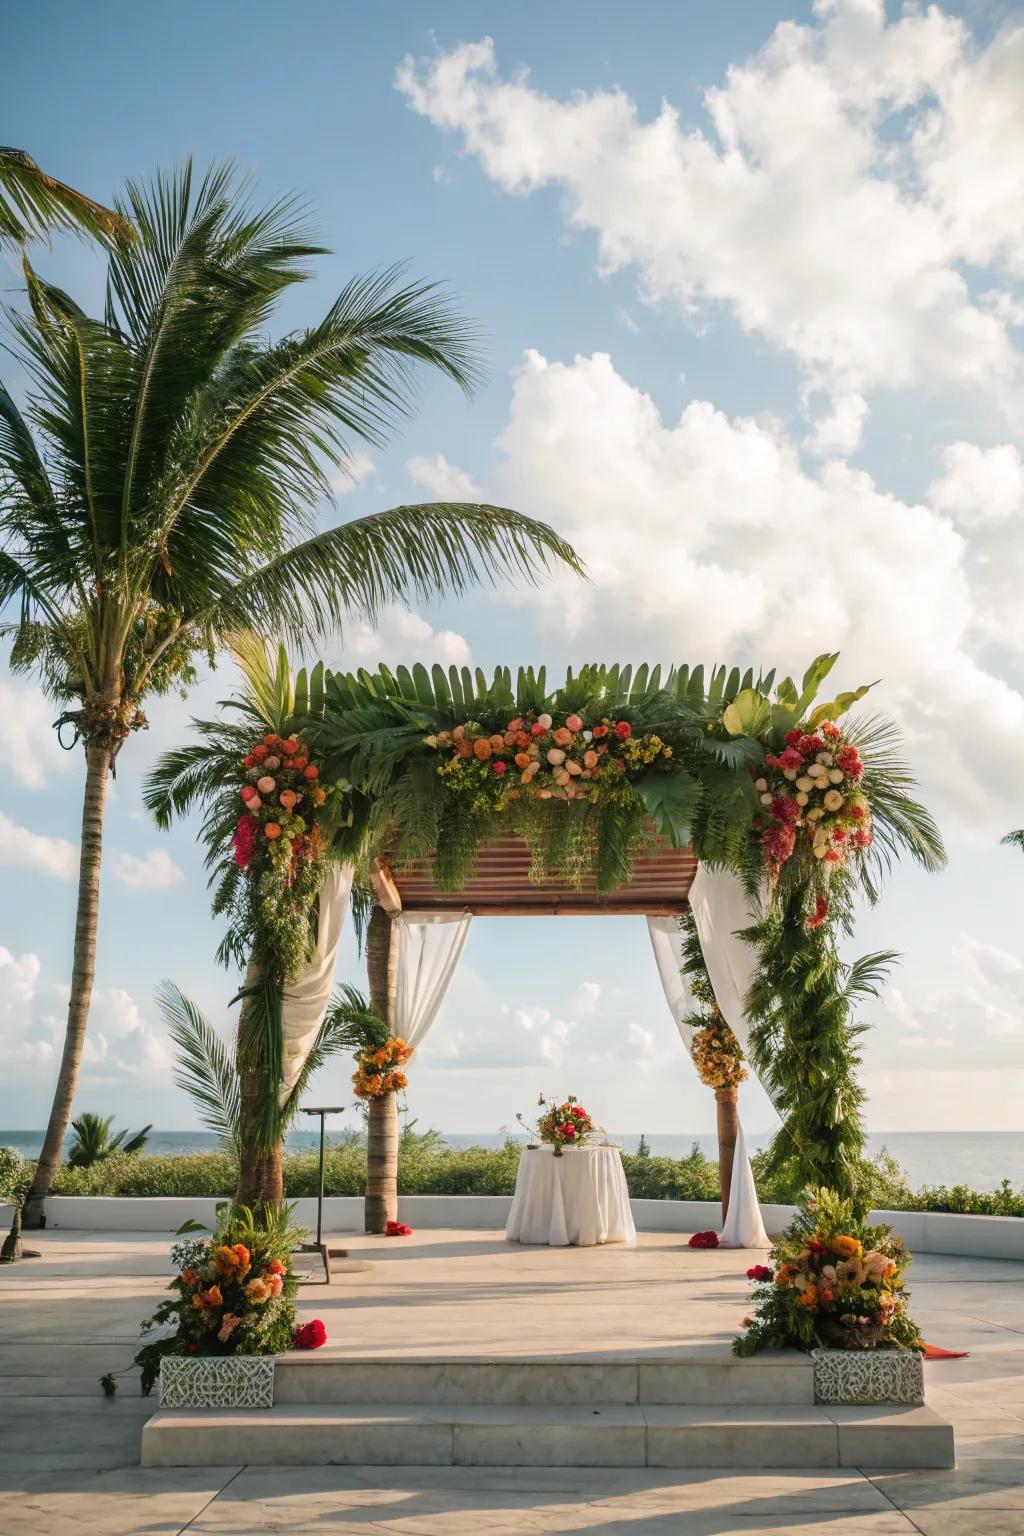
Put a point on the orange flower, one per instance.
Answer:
(809, 1297)
(288, 798)
(482, 748)
(497, 742)
(290, 747)
(464, 747)
(311, 771)
(522, 739)
(276, 1284)
(272, 830)
(523, 759)
(562, 736)
(847, 1247)
(258, 1291)
(275, 1267)
(298, 763)
(784, 1274)
(228, 1323)
(319, 796)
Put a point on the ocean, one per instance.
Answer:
(979, 1159)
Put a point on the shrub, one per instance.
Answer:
(11, 1168)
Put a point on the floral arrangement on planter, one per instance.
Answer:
(537, 759)
(232, 1293)
(832, 1282)
(377, 1069)
(811, 800)
(565, 1124)
(280, 846)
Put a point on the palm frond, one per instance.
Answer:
(33, 205)
(349, 1024)
(205, 1069)
(1014, 839)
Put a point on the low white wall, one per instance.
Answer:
(992, 1237)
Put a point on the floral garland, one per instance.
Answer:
(811, 801)
(541, 760)
(377, 1073)
(279, 845)
(836, 1282)
(718, 1055)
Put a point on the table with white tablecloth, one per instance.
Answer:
(579, 1198)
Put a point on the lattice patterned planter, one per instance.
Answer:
(229, 1381)
(867, 1376)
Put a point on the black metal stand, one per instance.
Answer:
(320, 1246)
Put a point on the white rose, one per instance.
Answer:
(833, 800)
(820, 851)
(802, 799)
(760, 785)
(805, 782)
(814, 770)
(835, 775)
(790, 774)
(545, 721)
(826, 758)
(588, 735)
(766, 799)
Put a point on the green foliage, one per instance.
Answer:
(1014, 839)
(804, 1044)
(12, 1175)
(34, 205)
(93, 1142)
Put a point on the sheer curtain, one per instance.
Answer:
(430, 946)
(305, 1000)
(743, 1225)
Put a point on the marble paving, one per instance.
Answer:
(69, 1459)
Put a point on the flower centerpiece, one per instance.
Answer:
(834, 1284)
(280, 845)
(378, 1068)
(811, 801)
(563, 1125)
(232, 1297)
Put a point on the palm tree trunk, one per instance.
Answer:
(728, 1126)
(97, 768)
(381, 1205)
(260, 1173)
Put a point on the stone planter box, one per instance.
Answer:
(229, 1381)
(868, 1376)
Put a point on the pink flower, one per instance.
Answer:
(573, 723)
(244, 840)
(778, 842)
(785, 810)
(265, 785)
(791, 758)
(499, 767)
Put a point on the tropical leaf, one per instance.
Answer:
(671, 800)
(748, 714)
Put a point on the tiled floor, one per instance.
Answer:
(68, 1459)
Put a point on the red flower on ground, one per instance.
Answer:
(310, 1335)
(761, 1273)
(704, 1240)
(193, 1349)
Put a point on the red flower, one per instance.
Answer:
(536, 730)
(831, 730)
(275, 1267)
(704, 1240)
(761, 1273)
(862, 839)
(778, 842)
(819, 914)
(310, 1335)
(623, 730)
(193, 1349)
(579, 1112)
(793, 738)
(785, 810)
(499, 767)
(809, 744)
(791, 758)
(244, 840)
(599, 731)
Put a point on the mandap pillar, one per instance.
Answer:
(728, 1126)
(381, 1202)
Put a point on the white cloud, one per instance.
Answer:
(31, 718)
(847, 175)
(443, 481)
(708, 537)
(838, 435)
(979, 486)
(22, 849)
(350, 474)
(154, 872)
(401, 636)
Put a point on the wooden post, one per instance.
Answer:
(728, 1125)
(381, 1204)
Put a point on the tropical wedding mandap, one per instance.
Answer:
(739, 817)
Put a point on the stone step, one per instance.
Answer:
(701, 1377)
(564, 1435)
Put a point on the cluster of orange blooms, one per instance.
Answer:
(377, 1073)
(231, 1265)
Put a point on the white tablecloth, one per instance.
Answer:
(580, 1198)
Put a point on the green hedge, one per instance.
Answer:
(427, 1167)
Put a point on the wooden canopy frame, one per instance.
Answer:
(500, 886)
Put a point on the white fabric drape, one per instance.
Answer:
(305, 1000)
(430, 946)
(744, 1227)
(720, 908)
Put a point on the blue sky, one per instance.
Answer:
(750, 282)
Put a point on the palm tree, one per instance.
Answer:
(155, 493)
(1014, 839)
(33, 204)
(93, 1142)
(208, 1073)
